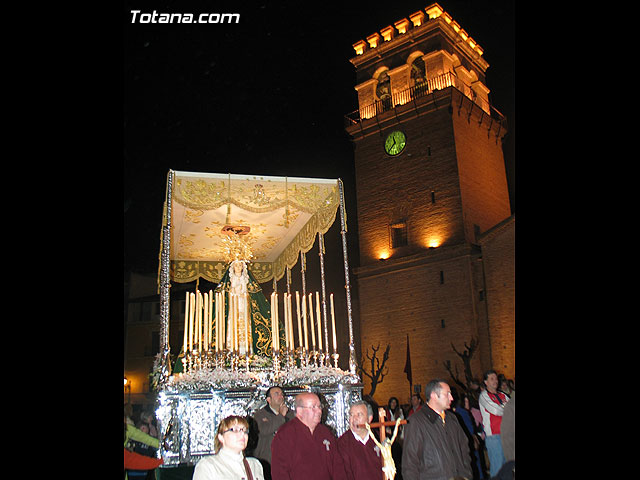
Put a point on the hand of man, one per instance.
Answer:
(283, 409)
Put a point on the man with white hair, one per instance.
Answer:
(362, 457)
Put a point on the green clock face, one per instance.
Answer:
(395, 143)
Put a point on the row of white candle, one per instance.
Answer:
(303, 326)
(200, 320)
(202, 313)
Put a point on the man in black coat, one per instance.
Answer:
(268, 420)
(435, 447)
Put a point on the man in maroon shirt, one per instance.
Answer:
(362, 458)
(303, 448)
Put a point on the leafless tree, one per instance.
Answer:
(465, 356)
(378, 371)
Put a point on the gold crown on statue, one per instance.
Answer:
(234, 243)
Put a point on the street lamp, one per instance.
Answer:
(127, 388)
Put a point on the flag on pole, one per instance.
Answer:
(407, 365)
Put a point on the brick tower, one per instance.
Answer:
(430, 179)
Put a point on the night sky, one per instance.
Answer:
(266, 96)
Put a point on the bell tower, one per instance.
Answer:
(430, 179)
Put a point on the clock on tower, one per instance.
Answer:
(395, 143)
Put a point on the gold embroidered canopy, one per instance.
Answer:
(276, 217)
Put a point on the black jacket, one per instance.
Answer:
(433, 451)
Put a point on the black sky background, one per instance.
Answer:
(266, 96)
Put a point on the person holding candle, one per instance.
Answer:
(229, 461)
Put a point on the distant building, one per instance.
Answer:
(142, 333)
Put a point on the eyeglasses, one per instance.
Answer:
(237, 430)
(317, 407)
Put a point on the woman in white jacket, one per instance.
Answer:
(229, 462)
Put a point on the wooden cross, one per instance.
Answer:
(381, 424)
(388, 466)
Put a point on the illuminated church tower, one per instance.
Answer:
(430, 181)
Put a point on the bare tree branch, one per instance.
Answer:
(378, 371)
(465, 356)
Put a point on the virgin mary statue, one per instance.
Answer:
(247, 312)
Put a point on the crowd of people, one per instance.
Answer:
(446, 436)
(140, 445)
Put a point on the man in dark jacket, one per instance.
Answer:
(435, 446)
(269, 419)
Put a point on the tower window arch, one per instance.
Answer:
(418, 78)
(383, 90)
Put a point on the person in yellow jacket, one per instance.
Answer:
(136, 464)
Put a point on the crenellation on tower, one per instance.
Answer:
(434, 12)
(387, 33)
(373, 40)
(402, 25)
(448, 55)
(417, 18)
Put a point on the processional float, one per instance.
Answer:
(239, 231)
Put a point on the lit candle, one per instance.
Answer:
(318, 321)
(229, 333)
(186, 323)
(206, 321)
(287, 340)
(217, 325)
(299, 323)
(333, 324)
(311, 324)
(199, 322)
(217, 322)
(210, 333)
(220, 321)
(304, 319)
(276, 332)
(246, 323)
(224, 305)
(284, 309)
(209, 336)
(223, 320)
(236, 328)
(273, 319)
(290, 321)
(192, 307)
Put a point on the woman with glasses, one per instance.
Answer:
(229, 462)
